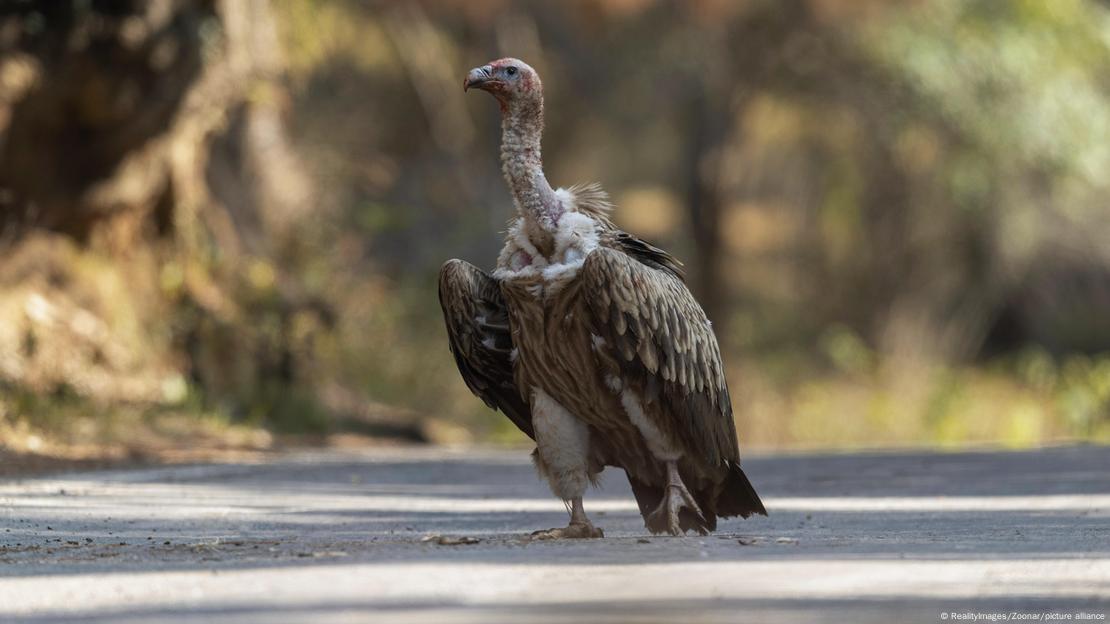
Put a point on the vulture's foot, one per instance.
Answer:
(580, 526)
(574, 530)
(675, 497)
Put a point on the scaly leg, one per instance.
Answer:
(563, 445)
(579, 527)
(675, 497)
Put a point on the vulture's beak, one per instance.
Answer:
(479, 78)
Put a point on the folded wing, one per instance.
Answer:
(478, 328)
(664, 347)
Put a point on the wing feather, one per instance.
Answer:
(664, 344)
(478, 328)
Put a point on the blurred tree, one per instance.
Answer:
(146, 138)
(249, 200)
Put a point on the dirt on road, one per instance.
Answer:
(414, 535)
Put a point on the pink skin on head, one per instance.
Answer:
(522, 86)
(519, 93)
(528, 77)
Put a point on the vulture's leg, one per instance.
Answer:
(675, 497)
(562, 456)
(580, 525)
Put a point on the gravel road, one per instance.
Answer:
(427, 535)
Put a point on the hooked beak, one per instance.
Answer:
(479, 78)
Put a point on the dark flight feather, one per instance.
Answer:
(478, 328)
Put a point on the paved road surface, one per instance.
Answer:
(330, 537)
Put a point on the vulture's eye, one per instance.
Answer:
(510, 70)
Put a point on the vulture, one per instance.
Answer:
(588, 339)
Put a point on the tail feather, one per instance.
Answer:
(738, 497)
(734, 497)
(648, 498)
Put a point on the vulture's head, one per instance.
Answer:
(510, 80)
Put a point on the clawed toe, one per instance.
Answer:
(661, 516)
(675, 498)
(575, 530)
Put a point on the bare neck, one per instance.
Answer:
(522, 164)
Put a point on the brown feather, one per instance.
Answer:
(675, 365)
(479, 333)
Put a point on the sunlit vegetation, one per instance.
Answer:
(894, 212)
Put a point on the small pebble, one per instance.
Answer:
(444, 540)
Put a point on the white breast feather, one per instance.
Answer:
(516, 242)
(564, 445)
(575, 238)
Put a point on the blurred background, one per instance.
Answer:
(221, 220)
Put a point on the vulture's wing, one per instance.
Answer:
(649, 254)
(663, 344)
(478, 328)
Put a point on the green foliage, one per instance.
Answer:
(908, 205)
(1024, 80)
